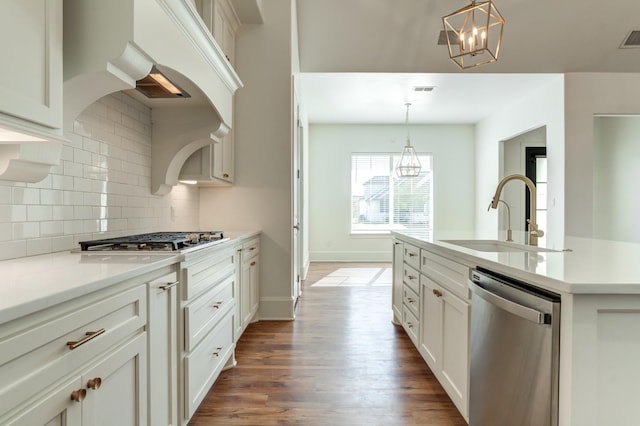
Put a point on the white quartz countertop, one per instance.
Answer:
(590, 267)
(32, 283)
(37, 282)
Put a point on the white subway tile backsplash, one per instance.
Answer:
(22, 230)
(6, 231)
(81, 184)
(39, 213)
(61, 213)
(38, 246)
(101, 188)
(13, 213)
(23, 195)
(50, 196)
(13, 249)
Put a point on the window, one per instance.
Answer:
(381, 201)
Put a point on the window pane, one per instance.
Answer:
(381, 201)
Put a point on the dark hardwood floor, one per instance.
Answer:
(341, 362)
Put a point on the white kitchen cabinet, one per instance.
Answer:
(50, 356)
(55, 408)
(116, 386)
(221, 19)
(163, 350)
(208, 308)
(30, 88)
(444, 340)
(211, 165)
(31, 72)
(249, 288)
(396, 295)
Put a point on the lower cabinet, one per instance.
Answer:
(207, 312)
(431, 301)
(163, 350)
(248, 284)
(396, 294)
(82, 362)
(444, 340)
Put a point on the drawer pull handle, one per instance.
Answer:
(412, 254)
(410, 324)
(438, 293)
(217, 305)
(217, 352)
(78, 395)
(252, 248)
(410, 300)
(94, 383)
(167, 286)
(411, 277)
(89, 335)
(225, 175)
(253, 263)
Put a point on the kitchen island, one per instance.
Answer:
(599, 286)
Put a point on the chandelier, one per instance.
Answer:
(474, 34)
(409, 165)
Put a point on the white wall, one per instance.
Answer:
(330, 148)
(544, 107)
(587, 95)
(261, 195)
(102, 187)
(616, 174)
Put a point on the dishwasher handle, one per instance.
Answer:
(510, 306)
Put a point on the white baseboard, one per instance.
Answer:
(276, 308)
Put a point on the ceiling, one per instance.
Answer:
(360, 59)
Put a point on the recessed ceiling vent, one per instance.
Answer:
(632, 40)
(157, 85)
(422, 89)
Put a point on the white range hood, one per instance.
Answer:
(109, 45)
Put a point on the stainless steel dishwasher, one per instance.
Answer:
(515, 342)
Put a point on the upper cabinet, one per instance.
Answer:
(30, 88)
(221, 19)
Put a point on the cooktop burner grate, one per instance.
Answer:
(160, 241)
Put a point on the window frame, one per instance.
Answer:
(391, 225)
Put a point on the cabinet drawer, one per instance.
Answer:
(203, 313)
(412, 255)
(250, 249)
(449, 274)
(411, 300)
(38, 355)
(411, 324)
(411, 277)
(201, 276)
(204, 364)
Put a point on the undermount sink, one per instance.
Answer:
(496, 246)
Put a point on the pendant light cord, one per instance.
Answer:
(406, 122)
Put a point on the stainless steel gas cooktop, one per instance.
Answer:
(156, 241)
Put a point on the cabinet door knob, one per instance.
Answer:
(89, 335)
(78, 395)
(253, 263)
(225, 175)
(94, 383)
(438, 293)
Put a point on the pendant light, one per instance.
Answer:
(409, 165)
(474, 34)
